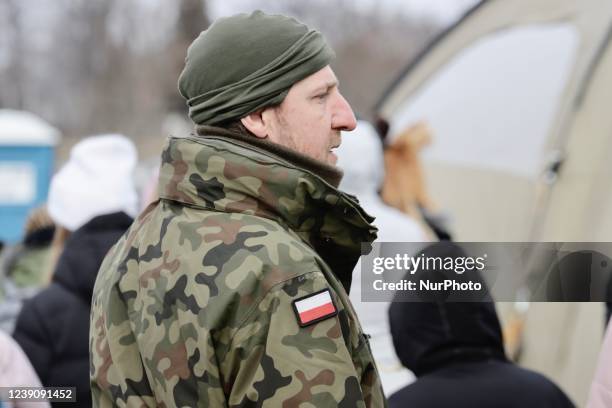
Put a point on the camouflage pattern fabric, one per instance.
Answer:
(193, 306)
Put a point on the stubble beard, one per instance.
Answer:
(288, 139)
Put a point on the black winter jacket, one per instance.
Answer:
(53, 326)
(456, 352)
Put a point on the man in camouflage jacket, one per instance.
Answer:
(212, 298)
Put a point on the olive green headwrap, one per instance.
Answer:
(247, 62)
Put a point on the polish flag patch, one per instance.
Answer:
(314, 308)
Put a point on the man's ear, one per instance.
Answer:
(255, 123)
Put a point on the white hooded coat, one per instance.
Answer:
(601, 388)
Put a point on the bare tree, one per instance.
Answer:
(13, 80)
(192, 20)
(113, 65)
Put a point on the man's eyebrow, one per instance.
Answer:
(326, 87)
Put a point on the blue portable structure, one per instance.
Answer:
(27, 147)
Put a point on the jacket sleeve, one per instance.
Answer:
(31, 336)
(276, 363)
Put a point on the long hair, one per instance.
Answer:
(404, 186)
(57, 247)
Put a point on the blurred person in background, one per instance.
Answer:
(456, 351)
(92, 201)
(25, 266)
(360, 156)
(600, 395)
(16, 371)
(404, 186)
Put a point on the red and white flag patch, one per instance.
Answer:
(314, 308)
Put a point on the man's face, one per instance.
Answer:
(311, 116)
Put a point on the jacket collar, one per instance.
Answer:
(224, 173)
(331, 174)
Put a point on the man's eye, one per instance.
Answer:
(322, 96)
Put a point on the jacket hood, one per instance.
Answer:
(360, 156)
(431, 335)
(84, 251)
(220, 172)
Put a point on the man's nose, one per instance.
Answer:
(343, 117)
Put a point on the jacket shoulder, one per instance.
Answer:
(231, 242)
(222, 261)
(240, 254)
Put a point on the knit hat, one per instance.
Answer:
(247, 62)
(96, 180)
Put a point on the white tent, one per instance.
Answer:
(517, 94)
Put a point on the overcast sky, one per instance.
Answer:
(446, 11)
